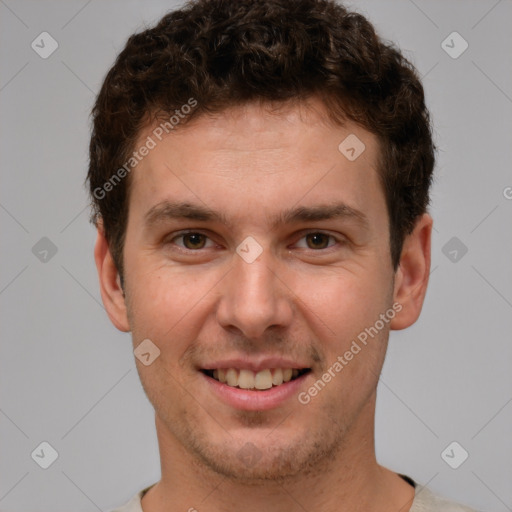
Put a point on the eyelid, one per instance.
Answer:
(181, 234)
(340, 240)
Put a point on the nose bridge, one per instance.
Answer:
(253, 297)
(256, 280)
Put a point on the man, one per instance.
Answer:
(260, 176)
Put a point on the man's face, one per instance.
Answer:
(319, 281)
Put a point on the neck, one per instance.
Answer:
(349, 480)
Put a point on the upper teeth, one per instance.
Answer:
(247, 379)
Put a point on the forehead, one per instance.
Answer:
(258, 126)
(258, 154)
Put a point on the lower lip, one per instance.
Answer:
(263, 400)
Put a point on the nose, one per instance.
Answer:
(254, 297)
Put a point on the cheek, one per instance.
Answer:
(168, 305)
(343, 302)
(341, 309)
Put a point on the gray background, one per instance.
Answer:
(68, 377)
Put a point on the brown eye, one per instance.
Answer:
(194, 240)
(317, 240)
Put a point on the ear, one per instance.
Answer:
(412, 275)
(110, 284)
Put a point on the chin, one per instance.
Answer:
(254, 460)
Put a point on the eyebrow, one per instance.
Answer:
(168, 210)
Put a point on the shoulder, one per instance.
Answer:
(426, 501)
(134, 505)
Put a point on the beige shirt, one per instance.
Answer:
(424, 501)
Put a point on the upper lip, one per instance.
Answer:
(253, 364)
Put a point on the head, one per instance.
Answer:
(294, 146)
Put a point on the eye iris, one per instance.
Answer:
(196, 239)
(317, 239)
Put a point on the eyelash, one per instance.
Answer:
(304, 235)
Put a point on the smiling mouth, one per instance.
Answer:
(257, 381)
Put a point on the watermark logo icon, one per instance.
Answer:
(44, 455)
(249, 249)
(146, 352)
(44, 45)
(454, 249)
(249, 454)
(454, 455)
(454, 45)
(44, 250)
(351, 147)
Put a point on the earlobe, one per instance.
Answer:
(110, 283)
(412, 275)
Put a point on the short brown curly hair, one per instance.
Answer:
(224, 53)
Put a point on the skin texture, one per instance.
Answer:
(301, 298)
